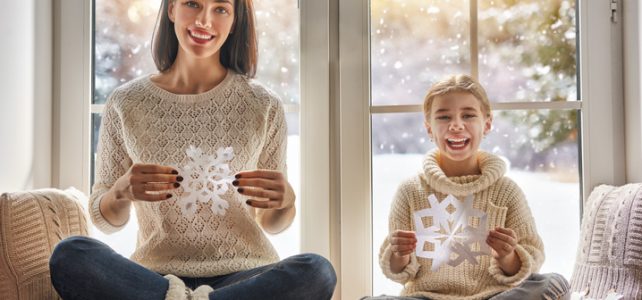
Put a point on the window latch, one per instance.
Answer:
(614, 11)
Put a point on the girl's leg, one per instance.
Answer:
(85, 268)
(538, 286)
(386, 297)
(304, 276)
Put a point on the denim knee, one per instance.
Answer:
(319, 272)
(68, 254)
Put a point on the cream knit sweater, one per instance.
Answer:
(499, 197)
(143, 123)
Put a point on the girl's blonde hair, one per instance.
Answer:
(453, 84)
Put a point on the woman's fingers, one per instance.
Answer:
(153, 169)
(261, 193)
(270, 204)
(266, 174)
(153, 179)
(258, 182)
(144, 196)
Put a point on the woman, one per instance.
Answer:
(166, 144)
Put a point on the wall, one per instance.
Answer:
(25, 105)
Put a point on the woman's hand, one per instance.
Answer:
(267, 189)
(145, 182)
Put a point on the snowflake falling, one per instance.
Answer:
(452, 234)
(206, 178)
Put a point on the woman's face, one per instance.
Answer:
(202, 26)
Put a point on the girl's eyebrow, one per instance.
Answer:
(467, 108)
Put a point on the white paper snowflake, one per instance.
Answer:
(452, 234)
(206, 178)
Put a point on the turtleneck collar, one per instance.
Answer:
(492, 168)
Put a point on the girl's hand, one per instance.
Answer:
(503, 242)
(268, 185)
(144, 182)
(402, 242)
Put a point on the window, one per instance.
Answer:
(524, 54)
(339, 170)
(122, 52)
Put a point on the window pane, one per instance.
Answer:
(527, 49)
(277, 26)
(542, 148)
(122, 43)
(122, 51)
(413, 44)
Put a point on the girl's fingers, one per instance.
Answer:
(501, 236)
(267, 174)
(502, 248)
(259, 182)
(403, 241)
(507, 231)
(403, 233)
(402, 248)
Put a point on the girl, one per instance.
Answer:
(164, 144)
(457, 117)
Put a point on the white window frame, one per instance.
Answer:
(335, 115)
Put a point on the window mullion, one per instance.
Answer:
(474, 40)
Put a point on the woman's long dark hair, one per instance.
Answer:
(239, 52)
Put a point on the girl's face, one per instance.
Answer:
(202, 26)
(457, 126)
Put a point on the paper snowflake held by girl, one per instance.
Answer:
(453, 232)
(206, 178)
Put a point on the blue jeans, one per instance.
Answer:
(85, 268)
(550, 286)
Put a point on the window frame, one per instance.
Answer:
(335, 114)
(602, 159)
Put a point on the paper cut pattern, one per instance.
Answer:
(206, 178)
(452, 234)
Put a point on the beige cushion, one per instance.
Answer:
(609, 258)
(31, 224)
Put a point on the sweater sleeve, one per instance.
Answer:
(273, 153)
(399, 219)
(530, 248)
(112, 161)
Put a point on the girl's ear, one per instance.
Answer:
(428, 129)
(170, 10)
(488, 124)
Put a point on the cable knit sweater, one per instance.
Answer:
(503, 202)
(143, 123)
